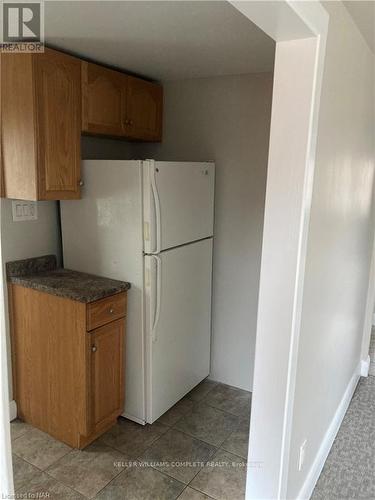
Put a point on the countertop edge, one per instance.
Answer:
(27, 283)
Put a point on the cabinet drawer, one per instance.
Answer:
(106, 310)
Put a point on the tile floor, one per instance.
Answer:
(195, 451)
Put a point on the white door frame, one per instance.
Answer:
(6, 469)
(369, 317)
(300, 31)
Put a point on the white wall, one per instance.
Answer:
(226, 119)
(340, 238)
(102, 148)
(6, 470)
(21, 240)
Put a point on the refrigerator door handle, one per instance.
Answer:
(155, 195)
(158, 298)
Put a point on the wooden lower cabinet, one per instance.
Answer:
(107, 387)
(68, 381)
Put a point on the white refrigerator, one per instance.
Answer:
(151, 223)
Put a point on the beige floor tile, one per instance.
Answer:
(90, 470)
(212, 415)
(39, 449)
(223, 478)
(132, 439)
(208, 424)
(230, 399)
(23, 472)
(178, 455)
(190, 494)
(44, 486)
(143, 483)
(238, 441)
(18, 428)
(201, 390)
(176, 412)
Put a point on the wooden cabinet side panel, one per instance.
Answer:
(84, 95)
(51, 368)
(12, 341)
(18, 127)
(58, 105)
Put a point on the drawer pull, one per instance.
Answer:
(111, 311)
(94, 348)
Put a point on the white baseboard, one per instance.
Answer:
(365, 366)
(12, 410)
(317, 466)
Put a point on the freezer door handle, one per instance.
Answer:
(157, 298)
(155, 195)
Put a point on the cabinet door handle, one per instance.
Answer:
(111, 311)
(94, 348)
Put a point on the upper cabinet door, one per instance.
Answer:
(58, 118)
(144, 108)
(104, 92)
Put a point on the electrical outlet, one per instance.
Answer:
(24, 210)
(302, 454)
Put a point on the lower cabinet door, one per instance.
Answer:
(107, 373)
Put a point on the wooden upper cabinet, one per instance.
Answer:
(116, 104)
(58, 102)
(41, 125)
(144, 108)
(103, 97)
(47, 100)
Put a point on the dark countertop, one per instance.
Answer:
(42, 273)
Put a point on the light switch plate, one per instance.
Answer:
(24, 210)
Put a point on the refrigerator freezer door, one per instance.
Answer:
(102, 234)
(178, 323)
(178, 203)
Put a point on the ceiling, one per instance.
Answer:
(363, 14)
(162, 40)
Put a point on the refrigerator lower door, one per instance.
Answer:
(178, 323)
(102, 234)
(178, 203)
